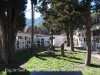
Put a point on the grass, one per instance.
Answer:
(72, 61)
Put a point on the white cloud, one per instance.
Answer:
(28, 11)
(37, 14)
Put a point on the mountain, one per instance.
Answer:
(36, 21)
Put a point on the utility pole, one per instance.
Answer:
(32, 33)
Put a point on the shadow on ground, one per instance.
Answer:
(95, 65)
(60, 58)
(80, 48)
(67, 59)
(14, 68)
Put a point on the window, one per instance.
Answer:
(84, 40)
(29, 42)
(42, 39)
(25, 37)
(79, 35)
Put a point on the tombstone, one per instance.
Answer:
(62, 49)
(50, 51)
(52, 48)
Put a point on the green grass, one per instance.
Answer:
(71, 62)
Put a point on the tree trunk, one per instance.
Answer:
(32, 36)
(10, 23)
(3, 54)
(71, 38)
(88, 30)
(68, 39)
(7, 51)
(4, 51)
(7, 40)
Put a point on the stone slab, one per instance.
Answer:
(56, 73)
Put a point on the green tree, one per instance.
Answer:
(12, 19)
(37, 29)
(63, 15)
(29, 29)
(42, 29)
(71, 17)
(89, 7)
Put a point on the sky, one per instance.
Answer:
(28, 11)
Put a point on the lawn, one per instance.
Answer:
(72, 61)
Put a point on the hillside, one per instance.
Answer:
(36, 22)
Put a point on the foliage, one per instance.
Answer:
(95, 17)
(70, 14)
(37, 29)
(17, 15)
(12, 19)
(61, 14)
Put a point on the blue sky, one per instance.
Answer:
(28, 11)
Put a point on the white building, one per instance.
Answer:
(95, 37)
(59, 39)
(23, 40)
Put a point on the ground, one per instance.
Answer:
(25, 63)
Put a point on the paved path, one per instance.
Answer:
(97, 55)
(56, 73)
(94, 53)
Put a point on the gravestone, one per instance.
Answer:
(62, 49)
(51, 50)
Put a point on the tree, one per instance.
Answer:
(42, 29)
(95, 17)
(88, 31)
(89, 7)
(12, 19)
(33, 2)
(37, 29)
(83, 7)
(63, 15)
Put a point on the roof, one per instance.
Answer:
(41, 35)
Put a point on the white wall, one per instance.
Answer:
(94, 45)
(46, 40)
(23, 40)
(59, 39)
